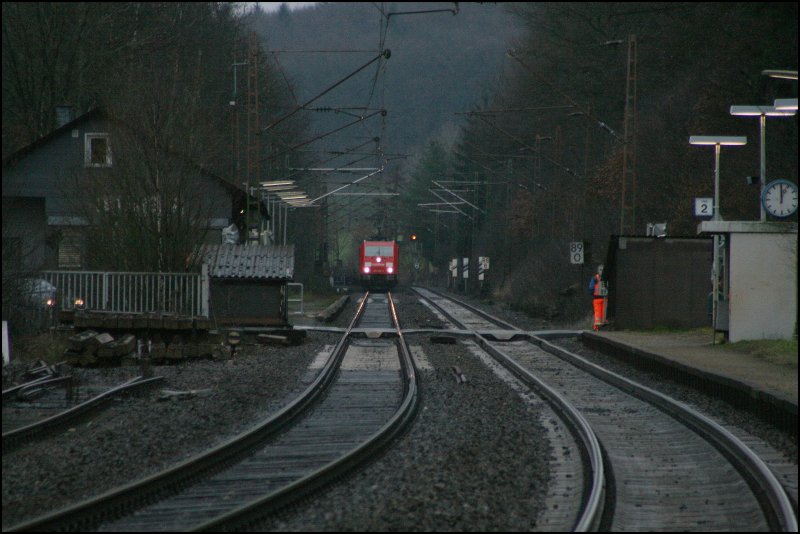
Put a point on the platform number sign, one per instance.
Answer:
(703, 207)
(576, 253)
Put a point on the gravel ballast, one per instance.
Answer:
(476, 458)
(473, 461)
(138, 435)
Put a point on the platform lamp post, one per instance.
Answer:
(762, 112)
(717, 141)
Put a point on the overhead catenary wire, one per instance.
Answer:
(513, 54)
(518, 140)
(511, 110)
(349, 151)
(327, 173)
(384, 53)
(494, 171)
(348, 185)
(285, 79)
(321, 136)
(380, 73)
(422, 12)
(322, 51)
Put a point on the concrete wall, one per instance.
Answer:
(763, 285)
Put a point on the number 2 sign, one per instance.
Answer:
(703, 207)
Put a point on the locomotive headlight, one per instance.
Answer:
(390, 270)
(366, 270)
(378, 259)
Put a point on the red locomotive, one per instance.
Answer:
(378, 264)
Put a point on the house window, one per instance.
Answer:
(97, 150)
(70, 249)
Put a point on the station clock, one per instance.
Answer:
(780, 198)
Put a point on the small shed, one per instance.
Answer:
(659, 281)
(249, 283)
(760, 282)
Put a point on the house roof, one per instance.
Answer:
(25, 150)
(268, 262)
(94, 113)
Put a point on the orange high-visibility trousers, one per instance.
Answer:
(599, 319)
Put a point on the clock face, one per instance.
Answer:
(780, 198)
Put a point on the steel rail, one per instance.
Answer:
(594, 495)
(16, 437)
(470, 307)
(30, 389)
(772, 497)
(88, 514)
(7, 393)
(242, 517)
(775, 504)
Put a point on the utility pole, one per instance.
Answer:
(627, 212)
(253, 216)
(236, 148)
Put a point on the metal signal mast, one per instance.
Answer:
(627, 213)
(253, 217)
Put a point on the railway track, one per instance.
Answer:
(665, 467)
(568, 504)
(365, 395)
(54, 407)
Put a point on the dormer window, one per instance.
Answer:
(97, 150)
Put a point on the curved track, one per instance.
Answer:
(672, 468)
(51, 412)
(365, 395)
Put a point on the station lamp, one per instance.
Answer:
(786, 104)
(716, 141)
(776, 73)
(762, 112)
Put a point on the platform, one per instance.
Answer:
(754, 380)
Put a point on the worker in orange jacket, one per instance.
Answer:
(599, 292)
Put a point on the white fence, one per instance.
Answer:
(123, 292)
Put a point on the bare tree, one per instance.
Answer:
(150, 208)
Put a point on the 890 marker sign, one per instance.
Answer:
(576, 252)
